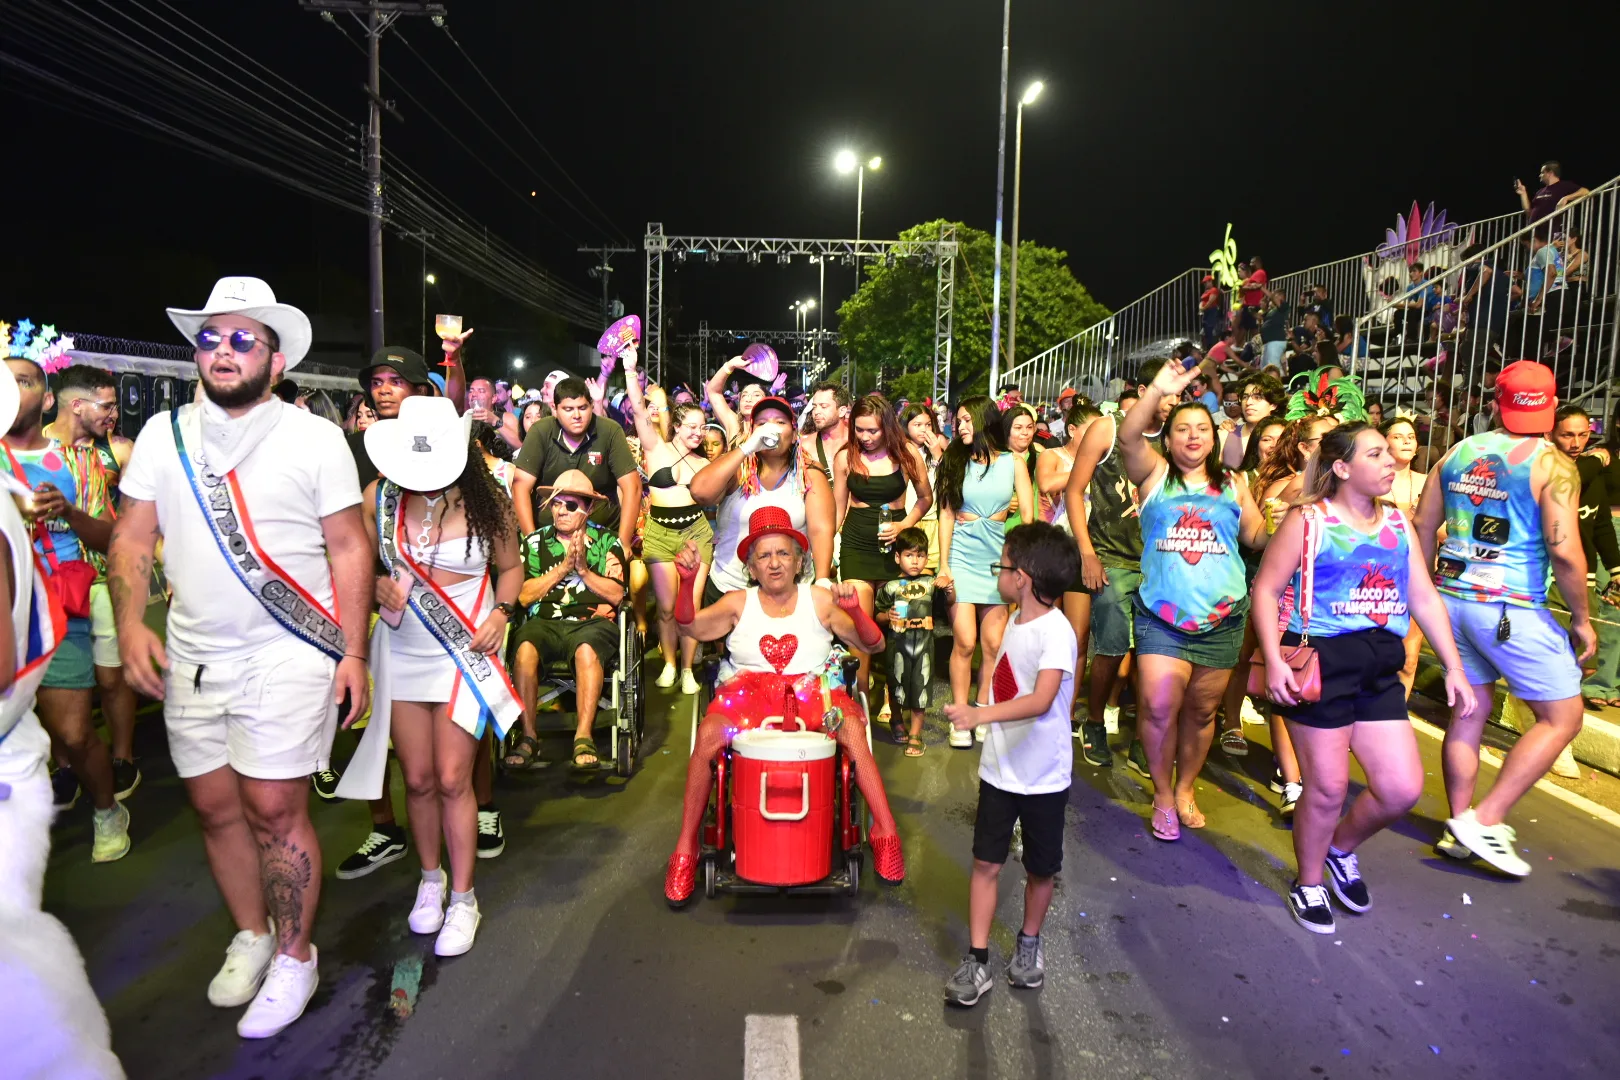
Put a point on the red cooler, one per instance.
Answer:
(782, 805)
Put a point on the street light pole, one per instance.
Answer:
(1028, 98)
(846, 163)
(1001, 173)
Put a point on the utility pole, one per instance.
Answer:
(375, 17)
(604, 271)
(1001, 173)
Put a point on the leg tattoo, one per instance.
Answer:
(285, 871)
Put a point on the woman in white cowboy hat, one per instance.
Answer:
(446, 530)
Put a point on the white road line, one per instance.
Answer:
(771, 1047)
(1562, 794)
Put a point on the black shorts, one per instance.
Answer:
(1360, 680)
(1042, 817)
(557, 640)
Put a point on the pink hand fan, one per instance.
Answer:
(760, 361)
(624, 333)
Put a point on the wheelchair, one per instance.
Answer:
(846, 835)
(625, 709)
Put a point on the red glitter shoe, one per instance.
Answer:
(887, 860)
(680, 881)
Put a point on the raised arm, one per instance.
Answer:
(715, 391)
(1093, 445)
(646, 430)
(713, 622)
(1142, 461)
(839, 609)
(1560, 500)
(455, 377)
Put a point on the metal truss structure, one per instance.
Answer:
(940, 253)
(808, 342)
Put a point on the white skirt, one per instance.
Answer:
(419, 668)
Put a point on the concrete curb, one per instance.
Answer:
(1598, 744)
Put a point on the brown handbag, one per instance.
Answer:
(1301, 659)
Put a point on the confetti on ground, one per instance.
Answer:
(1433, 1049)
(1113, 879)
(1474, 936)
(1418, 981)
(1345, 1051)
(1448, 958)
(1445, 916)
(1225, 1020)
(1467, 899)
(875, 1001)
(1532, 982)
(907, 1017)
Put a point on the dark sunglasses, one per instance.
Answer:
(242, 341)
(568, 504)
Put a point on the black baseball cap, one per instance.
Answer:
(407, 363)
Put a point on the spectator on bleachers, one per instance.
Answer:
(1212, 311)
(1274, 328)
(1554, 194)
(1348, 342)
(1546, 270)
(1375, 413)
(1317, 303)
(1226, 349)
(1487, 299)
(1253, 290)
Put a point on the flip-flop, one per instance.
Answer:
(1170, 822)
(898, 729)
(1190, 815)
(914, 746)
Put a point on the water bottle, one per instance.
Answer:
(885, 516)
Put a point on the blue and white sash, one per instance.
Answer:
(290, 604)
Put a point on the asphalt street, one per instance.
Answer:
(1163, 960)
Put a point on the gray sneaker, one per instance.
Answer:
(970, 982)
(1028, 967)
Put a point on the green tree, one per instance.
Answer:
(890, 321)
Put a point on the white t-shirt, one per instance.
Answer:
(24, 745)
(1032, 757)
(302, 471)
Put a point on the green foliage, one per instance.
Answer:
(891, 318)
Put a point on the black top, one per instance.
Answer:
(876, 490)
(1597, 534)
(1115, 526)
(362, 460)
(603, 454)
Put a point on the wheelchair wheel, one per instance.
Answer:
(711, 877)
(627, 736)
(852, 866)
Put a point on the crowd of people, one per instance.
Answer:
(417, 564)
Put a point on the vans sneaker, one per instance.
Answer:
(64, 789)
(1290, 799)
(491, 834)
(1309, 906)
(126, 778)
(961, 738)
(385, 844)
(325, 783)
(1344, 875)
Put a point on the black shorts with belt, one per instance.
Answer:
(1361, 679)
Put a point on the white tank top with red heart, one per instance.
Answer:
(792, 645)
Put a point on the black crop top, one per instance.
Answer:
(877, 490)
(664, 478)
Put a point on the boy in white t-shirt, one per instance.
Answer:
(1028, 753)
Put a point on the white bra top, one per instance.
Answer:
(451, 556)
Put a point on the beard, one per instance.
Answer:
(251, 389)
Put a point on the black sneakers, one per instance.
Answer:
(1345, 877)
(1094, 745)
(1136, 757)
(491, 834)
(1309, 906)
(385, 844)
(325, 783)
(64, 789)
(126, 778)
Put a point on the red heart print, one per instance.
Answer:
(1003, 684)
(778, 650)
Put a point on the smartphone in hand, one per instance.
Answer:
(390, 615)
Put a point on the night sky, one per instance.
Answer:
(1307, 126)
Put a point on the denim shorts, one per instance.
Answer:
(1112, 612)
(1215, 648)
(1536, 660)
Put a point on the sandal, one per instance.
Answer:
(521, 755)
(585, 748)
(898, 729)
(914, 746)
(1233, 744)
(1190, 815)
(1170, 829)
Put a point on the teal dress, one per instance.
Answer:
(986, 490)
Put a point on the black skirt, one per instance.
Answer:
(860, 556)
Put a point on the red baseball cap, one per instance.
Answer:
(771, 403)
(766, 521)
(1527, 397)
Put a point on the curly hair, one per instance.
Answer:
(488, 507)
(1289, 457)
(487, 438)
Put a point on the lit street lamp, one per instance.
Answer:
(427, 279)
(517, 363)
(1033, 92)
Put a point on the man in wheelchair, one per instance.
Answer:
(574, 575)
(780, 635)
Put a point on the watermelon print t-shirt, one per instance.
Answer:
(1032, 757)
(1360, 578)
(1192, 573)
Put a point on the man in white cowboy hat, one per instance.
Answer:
(257, 504)
(576, 572)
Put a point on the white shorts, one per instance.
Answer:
(103, 629)
(269, 716)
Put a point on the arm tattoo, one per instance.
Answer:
(286, 875)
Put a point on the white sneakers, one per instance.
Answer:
(460, 927)
(1248, 714)
(1493, 843)
(246, 962)
(112, 834)
(281, 1000)
(980, 731)
(961, 738)
(666, 678)
(1111, 719)
(689, 683)
(427, 914)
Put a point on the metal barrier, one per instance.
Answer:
(1546, 291)
(1111, 349)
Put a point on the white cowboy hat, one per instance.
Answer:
(10, 398)
(251, 297)
(425, 448)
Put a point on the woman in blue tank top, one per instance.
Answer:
(1358, 581)
(1193, 597)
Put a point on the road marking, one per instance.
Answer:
(771, 1047)
(1562, 794)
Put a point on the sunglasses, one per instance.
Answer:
(242, 341)
(568, 503)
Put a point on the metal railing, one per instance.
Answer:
(1548, 291)
(1112, 348)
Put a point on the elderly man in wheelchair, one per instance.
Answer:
(574, 580)
(780, 635)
